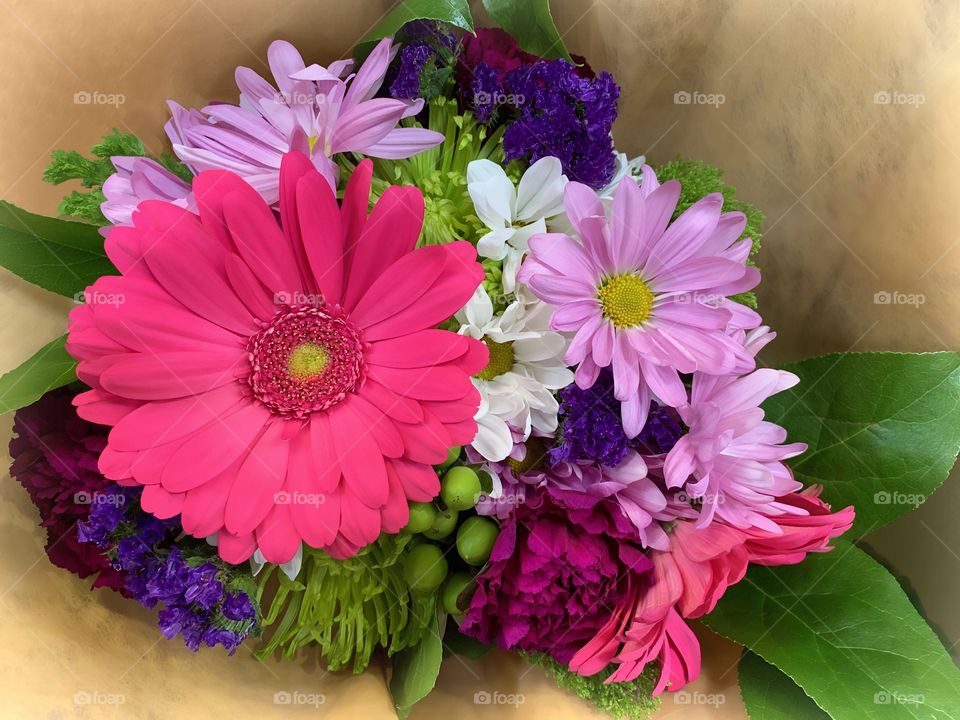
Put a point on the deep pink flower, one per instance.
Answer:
(138, 179)
(319, 111)
(273, 384)
(644, 296)
(493, 47)
(734, 456)
(689, 579)
(555, 572)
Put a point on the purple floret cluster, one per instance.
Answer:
(192, 592)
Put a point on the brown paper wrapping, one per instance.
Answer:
(836, 118)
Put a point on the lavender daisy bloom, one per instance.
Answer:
(319, 111)
(138, 179)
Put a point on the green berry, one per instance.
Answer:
(443, 524)
(475, 539)
(422, 516)
(460, 488)
(456, 584)
(453, 454)
(424, 568)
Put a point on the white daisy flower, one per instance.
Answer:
(514, 214)
(526, 366)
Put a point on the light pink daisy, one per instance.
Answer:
(732, 454)
(138, 179)
(277, 383)
(645, 296)
(316, 110)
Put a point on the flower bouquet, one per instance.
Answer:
(398, 357)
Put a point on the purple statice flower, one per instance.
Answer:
(661, 432)
(591, 428)
(555, 571)
(564, 114)
(412, 60)
(485, 93)
(238, 607)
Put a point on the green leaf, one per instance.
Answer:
(883, 428)
(456, 643)
(50, 367)
(531, 25)
(843, 629)
(454, 12)
(415, 670)
(768, 694)
(58, 255)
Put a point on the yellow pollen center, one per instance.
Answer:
(501, 359)
(626, 300)
(312, 141)
(307, 361)
(534, 458)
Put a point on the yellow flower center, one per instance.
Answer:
(533, 460)
(626, 300)
(307, 360)
(501, 359)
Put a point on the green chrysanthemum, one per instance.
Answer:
(346, 608)
(441, 173)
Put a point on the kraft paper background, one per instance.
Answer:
(837, 118)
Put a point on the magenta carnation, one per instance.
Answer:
(54, 456)
(555, 572)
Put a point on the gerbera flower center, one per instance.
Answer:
(501, 359)
(305, 360)
(626, 300)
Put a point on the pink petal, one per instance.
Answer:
(257, 481)
(319, 218)
(359, 456)
(170, 375)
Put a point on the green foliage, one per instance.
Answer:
(698, 179)
(883, 428)
(348, 608)
(92, 172)
(768, 694)
(61, 256)
(623, 701)
(842, 628)
(49, 368)
(531, 25)
(415, 669)
(452, 12)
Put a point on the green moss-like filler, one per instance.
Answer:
(698, 179)
(347, 609)
(441, 173)
(92, 172)
(627, 700)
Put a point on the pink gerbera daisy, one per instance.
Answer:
(277, 383)
(647, 298)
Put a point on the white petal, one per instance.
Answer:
(494, 243)
(540, 192)
(494, 440)
(291, 568)
(492, 193)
